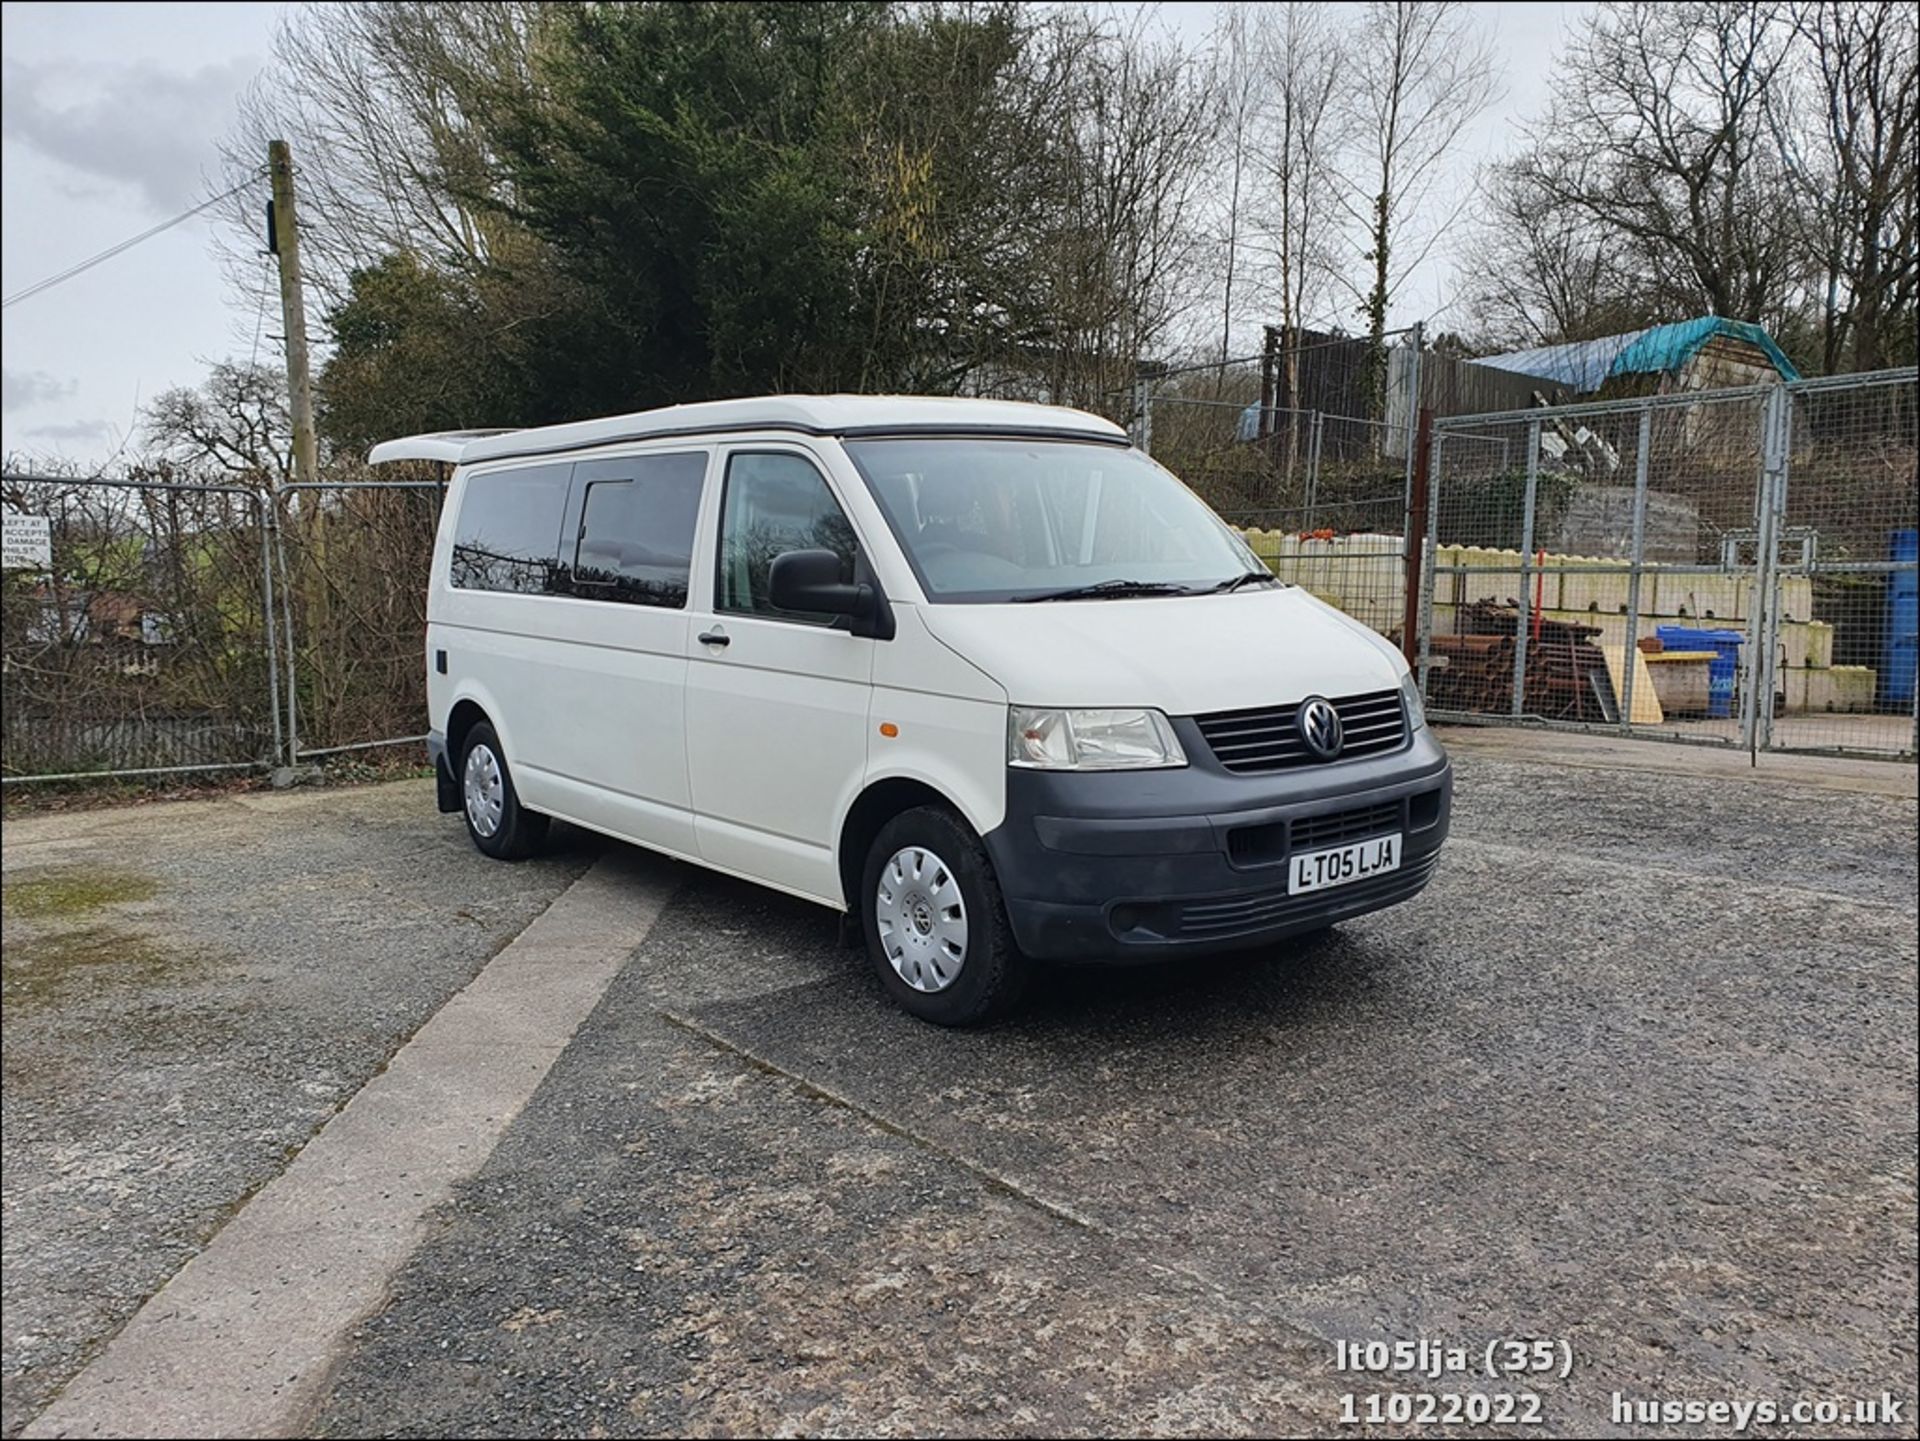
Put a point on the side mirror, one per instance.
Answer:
(809, 580)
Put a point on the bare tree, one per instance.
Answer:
(234, 428)
(1421, 73)
(1848, 126)
(384, 105)
(1534, 271)
(1120, 251)
(1666, 145)
(1238, 71)
(1306, 128)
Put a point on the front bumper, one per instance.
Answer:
(1144, 864)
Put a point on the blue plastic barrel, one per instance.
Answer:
(1725, 666)
(1903, 622)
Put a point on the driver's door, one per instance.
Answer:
(777, 702)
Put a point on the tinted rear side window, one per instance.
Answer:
(637, 517)
(508, 535)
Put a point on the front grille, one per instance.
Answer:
(1313, 832)
(1243, 915)
(1251, 742)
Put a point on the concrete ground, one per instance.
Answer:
(1637, 1073)
(1876, 735)
(191, 990)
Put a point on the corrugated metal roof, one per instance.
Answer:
(1585, 365)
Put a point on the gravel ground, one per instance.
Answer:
(191, 990)
(1637, 1072)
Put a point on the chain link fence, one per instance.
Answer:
(1308, 450)
(177, 627)
(353, 559)
(1730, 567)
(145, 646)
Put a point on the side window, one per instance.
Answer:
(636, 528)
(775, 502)
(508, 534)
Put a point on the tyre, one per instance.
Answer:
(936, 927)
(499, 825)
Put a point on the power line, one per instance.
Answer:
(125, 245)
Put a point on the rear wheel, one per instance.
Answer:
(936, 926)
(499, 825)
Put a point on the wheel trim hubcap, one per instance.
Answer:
(922, 919)
(486, 790)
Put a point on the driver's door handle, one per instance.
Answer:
(716, 636)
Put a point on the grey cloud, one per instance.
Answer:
(78, 430)
(138, 124)
(20, 389)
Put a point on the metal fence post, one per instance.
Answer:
(1418, 542)
(1774, 480)
(263, 514)
(1411, 441)
(1524, 616)
(1431, 565)
(293, 654)
(1314, 433)
(1753, 663)
(1641, 465)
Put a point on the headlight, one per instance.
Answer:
(1416, 710)
(1090, 740)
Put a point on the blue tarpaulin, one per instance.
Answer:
(1585, 365)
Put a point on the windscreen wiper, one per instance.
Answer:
(1247, 577)
(1113, 590)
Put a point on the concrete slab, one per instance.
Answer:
(240, 1342)
(193, 988)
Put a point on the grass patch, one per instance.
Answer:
(51, 968)
(73, 893)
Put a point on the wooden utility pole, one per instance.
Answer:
(286, 245)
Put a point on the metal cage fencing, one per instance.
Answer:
(1846, 562)
(353, 558)
(1309, 450)
(182, 627)
(1681, 567)
(1277, 437)
(144, 645)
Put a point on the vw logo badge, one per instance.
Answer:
(1320, 729)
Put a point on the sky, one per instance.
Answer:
(112, 116)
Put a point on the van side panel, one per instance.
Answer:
(586, 695)
(951, 718)
(597, 712)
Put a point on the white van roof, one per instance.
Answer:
(808, 414)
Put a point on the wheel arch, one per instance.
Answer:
(465, 715)
(879, 803)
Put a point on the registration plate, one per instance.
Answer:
(1343, 865)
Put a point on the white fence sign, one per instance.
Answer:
(26, 541)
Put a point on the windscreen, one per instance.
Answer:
(985, 520)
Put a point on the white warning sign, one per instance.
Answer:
(26, 541)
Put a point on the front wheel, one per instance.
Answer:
(498, 824)
(936, 927)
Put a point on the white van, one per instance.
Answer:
(978, 674)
